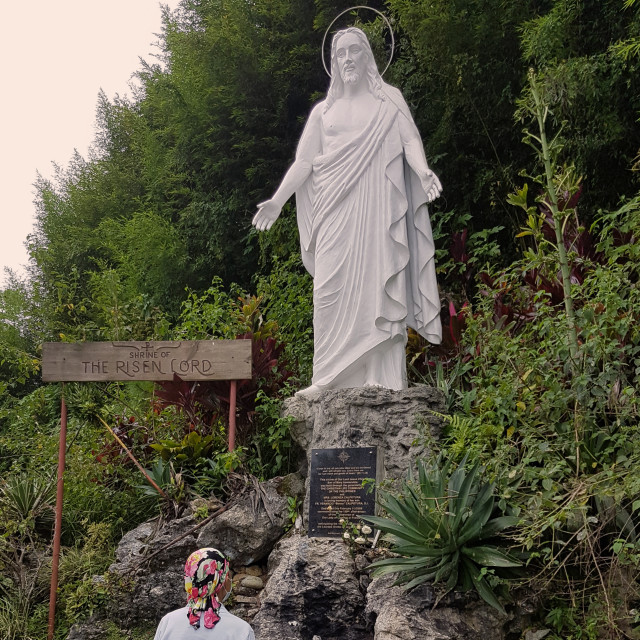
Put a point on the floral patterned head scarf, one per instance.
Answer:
(204, 574)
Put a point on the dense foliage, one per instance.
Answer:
(150, 238)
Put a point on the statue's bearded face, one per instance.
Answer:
(351, 57)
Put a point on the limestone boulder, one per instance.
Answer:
(247, 532)
(369, 416)
(155, 586)
(93, 628)
(398, 615)
(312, 591)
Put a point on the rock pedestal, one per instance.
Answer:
(318, 587)
(368, 417)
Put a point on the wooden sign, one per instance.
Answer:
(336, 489)
(154, 361)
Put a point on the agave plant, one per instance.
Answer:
(442, 526)
(29, 498)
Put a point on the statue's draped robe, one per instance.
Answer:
(366, 239)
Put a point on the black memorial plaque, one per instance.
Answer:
(336, 489)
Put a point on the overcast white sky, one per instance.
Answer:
(54, 59)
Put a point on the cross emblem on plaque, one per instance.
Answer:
(344, 456)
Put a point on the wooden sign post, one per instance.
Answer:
(131, 361)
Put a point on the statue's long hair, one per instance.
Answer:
(373, 77)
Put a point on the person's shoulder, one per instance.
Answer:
(395, 95)
(170, 622)
(318, 109)
(225, 613)
(175, 614)
(242, 626)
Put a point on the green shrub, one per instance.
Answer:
(82, 589)
(273, 449)
(288, 301)
(15, 613)
(556, 430)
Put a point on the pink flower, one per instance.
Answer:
(210, 618)
(193, 618)
(203, 591)
(194, 592)
(209, 568)
(191, 565)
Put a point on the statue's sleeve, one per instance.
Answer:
(395, 95)
(309, 147)
(310, 143)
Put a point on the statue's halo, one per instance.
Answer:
(393, 42)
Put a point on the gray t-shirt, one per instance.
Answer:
(175, 626)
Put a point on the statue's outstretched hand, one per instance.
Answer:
(431, 185)
(268, 213)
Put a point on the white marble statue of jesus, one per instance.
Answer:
(362, 185)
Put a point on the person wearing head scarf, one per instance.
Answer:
(207, 582)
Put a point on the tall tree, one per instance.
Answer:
(238, 80)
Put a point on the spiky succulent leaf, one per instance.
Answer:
(409, 517)
(495, 525)
(466, 570)
(389, 526)
(418, 580)
(428, 551)
(480, 512)
(452, 580)
(461, 503)
(486, 593)
(470, 530)
(490, 557)
(444, 571)
(397, 565)
(477, 531)
(433, 479)
(437, 526)
(410, 578)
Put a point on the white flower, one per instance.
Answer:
(359, 540)
(346, 535)
(341, 521)
(366, 529)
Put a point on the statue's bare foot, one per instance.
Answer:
(313, 390)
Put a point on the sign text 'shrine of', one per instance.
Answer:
(155, 361)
